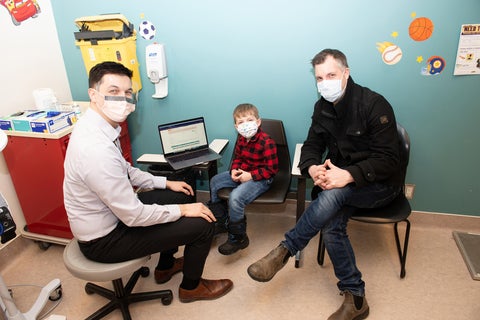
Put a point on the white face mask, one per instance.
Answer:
(117, 108)
(331, 90)
(247, 129)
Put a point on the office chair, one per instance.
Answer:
(121, 296)
(395, 212)
(281, 182)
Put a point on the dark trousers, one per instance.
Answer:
(126, 243)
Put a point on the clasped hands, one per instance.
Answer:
(328, 176)
(239, 175)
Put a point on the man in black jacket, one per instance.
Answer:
(352, 155)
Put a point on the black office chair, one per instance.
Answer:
(281, 182)
(395, 212)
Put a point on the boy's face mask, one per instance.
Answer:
(247, 129)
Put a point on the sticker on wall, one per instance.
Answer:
(435, 65)
(21, 10)
(146, 30)
(420, 29)
(391, 53)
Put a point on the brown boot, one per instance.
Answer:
(264, 269)
(348, 310)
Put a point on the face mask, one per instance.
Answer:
(247, 129)
(331, 90)
(117, 108)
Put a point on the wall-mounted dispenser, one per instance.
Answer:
(157, 69)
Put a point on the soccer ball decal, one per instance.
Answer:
(146, 30)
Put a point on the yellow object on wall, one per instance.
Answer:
(109, 37)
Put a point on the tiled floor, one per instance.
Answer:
(437, 285)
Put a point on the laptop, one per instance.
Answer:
(185, 143)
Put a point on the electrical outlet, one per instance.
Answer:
(409, 190)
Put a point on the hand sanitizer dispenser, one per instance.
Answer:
(157, 69)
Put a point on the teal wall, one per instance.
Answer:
(221, 53)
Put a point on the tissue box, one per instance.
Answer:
(53, 121)
(22, 121)
(6, 123)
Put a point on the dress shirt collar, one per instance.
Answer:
(96, 119)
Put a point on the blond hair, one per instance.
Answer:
(244, 109)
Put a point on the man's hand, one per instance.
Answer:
(180, 186)
(197, 210)
(328, 176)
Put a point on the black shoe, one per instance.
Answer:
(233, 244)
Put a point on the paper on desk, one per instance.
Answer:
(151, 158)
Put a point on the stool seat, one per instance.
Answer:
(89, 270)
(121, 296)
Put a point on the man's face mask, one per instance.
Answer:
(117, 108)
(247, 129)
(331, 90)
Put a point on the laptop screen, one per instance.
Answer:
(183, 135)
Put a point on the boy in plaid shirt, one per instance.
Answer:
(253, 167)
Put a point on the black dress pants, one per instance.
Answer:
(126, 243)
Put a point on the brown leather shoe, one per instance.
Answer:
(162, 276)
(264, 269)
(348, 311)
(206, 290)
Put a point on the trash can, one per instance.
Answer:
(108, 37)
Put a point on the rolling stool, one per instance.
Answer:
(122, 296)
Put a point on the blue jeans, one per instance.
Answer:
(242, 193)
(330, 212)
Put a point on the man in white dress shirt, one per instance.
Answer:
(113, 223)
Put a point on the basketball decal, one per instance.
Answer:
(420, 29)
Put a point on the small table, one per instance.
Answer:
(217, 145)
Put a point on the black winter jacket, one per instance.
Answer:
(358, 134)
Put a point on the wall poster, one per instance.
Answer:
(468, 54)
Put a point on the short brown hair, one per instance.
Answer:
(245, 108)
(336, 54)
(108, 67)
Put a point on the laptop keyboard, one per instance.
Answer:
(189, 155)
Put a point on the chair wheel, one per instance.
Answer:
(56, 295)
(144, 272)
(166, 301)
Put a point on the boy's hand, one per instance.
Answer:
(238, 175)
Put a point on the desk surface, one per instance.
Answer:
(216, 145)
